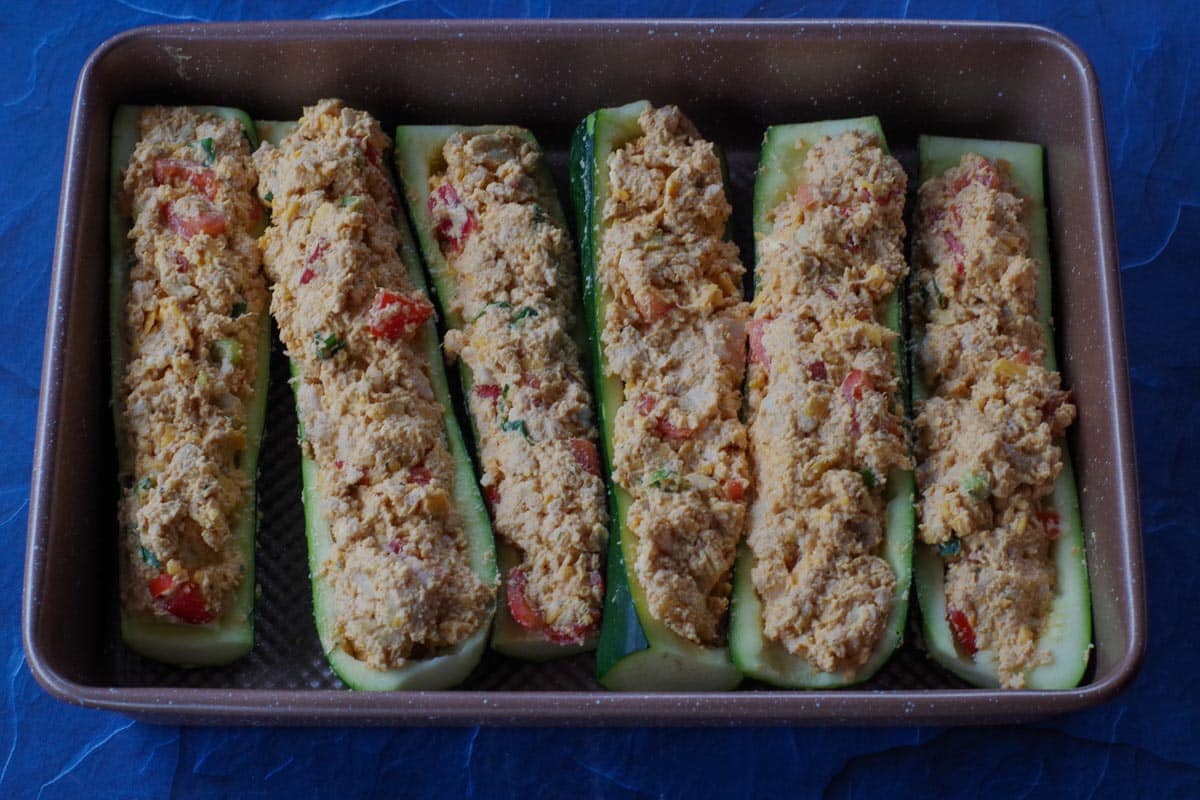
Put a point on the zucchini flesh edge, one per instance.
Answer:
(1067, 631)
(781, 170)
(418, 156)
(635, 652)
(232, 634)
(453, 666)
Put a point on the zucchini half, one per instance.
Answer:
(636, 652)
(781, 170)
(418, 156)
(231, 635)
(452, 667)
(1067, 632)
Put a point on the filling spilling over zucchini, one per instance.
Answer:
(1000, 573)
(190, 344)
(822, 582)
(495, 241)
(400, 547)
(662, 292)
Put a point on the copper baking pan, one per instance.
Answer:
(733, 79)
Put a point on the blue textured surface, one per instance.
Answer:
(1144, 743)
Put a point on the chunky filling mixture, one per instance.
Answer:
(354, 326)
(515, 278)
(825, 418)
(986, 434)
(193, 315)
(673, 335)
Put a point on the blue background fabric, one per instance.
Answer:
(1142, 743)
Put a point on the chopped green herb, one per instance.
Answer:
(352, 202)
(149, 557)
(501, 304)
(269, 197)
(662, 478)
(146, 484)
(977, 486)
(226, 351)
(868, 476)
(524, 314)
(539, 214)
(942, 302)
(950, 548)
(238, 309)
(516, 425)
(327, 346)
(202, 380)
(504, 392)
(210, 154)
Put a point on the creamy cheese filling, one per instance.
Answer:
(673, 334)
(515, 281)
(192, 318)
(354, 326)
(985, 437)
(825, 417)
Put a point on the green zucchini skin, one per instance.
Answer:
(1067, 633)
(418, 156)
(452, 667)
(232, 635)
(781, 171)
(635, 652)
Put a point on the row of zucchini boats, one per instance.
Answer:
(739, 496)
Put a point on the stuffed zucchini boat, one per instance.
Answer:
(495, 242)
(1000, 572)
(190, 344)
(822, 581)
(662, 292)
(400, 548)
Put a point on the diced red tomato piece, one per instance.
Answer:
(646, 404)
(181, 263)
(864, 194)
(954, 212)
(755, 329)
(188, 604)
(1023, 356)
(807, 195)
(209, 222)
(395, 315)
(492, 495)
(453, 221)
(176, 171)
(518, 603)
(961, 630)
(817, 371)
(319, 250)
(576, 634)
(486, 391)
(1051, 523)
(672, 432)
(160, 584)
(855, 384)
(734, 489)
(420, 474)
(585, 455)
(306, 276)
(395, 545)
